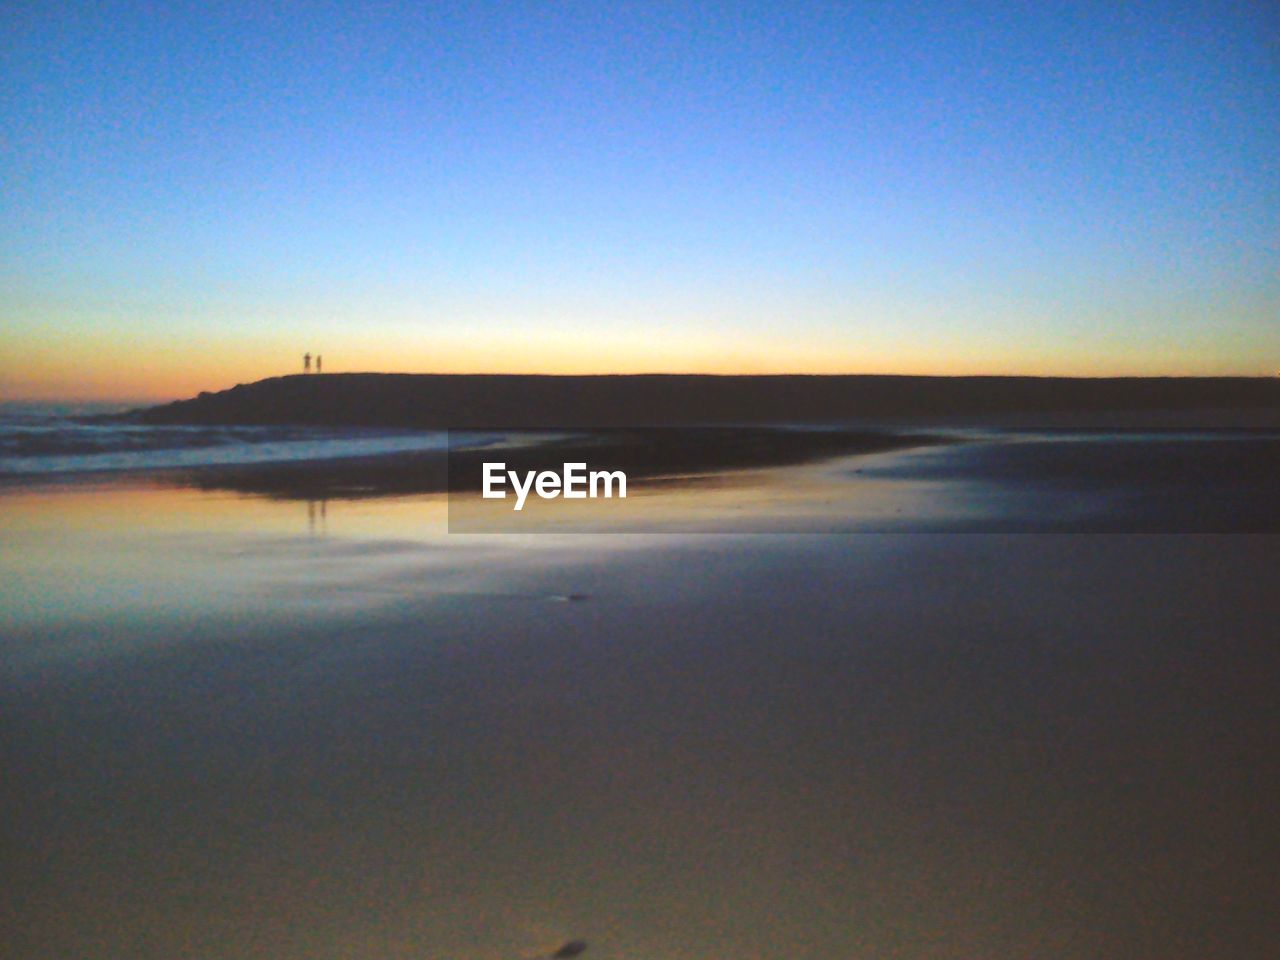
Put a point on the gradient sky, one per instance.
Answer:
(194, 194)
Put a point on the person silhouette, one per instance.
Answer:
(306, 362)
(318, 359)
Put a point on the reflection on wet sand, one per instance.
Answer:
(320, 509)
(654, 456)
(238, 726)
(834, 481)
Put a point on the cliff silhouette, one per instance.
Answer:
(516, 401)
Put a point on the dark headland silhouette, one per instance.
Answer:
(518, 401)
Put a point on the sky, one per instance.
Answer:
(194, 195)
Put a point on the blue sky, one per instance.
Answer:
(1039, 188)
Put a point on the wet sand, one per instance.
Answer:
(249, 727)
(644, 454)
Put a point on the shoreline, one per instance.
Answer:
(788, 479)
(647, 456)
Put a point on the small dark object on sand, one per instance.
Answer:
(570, 949)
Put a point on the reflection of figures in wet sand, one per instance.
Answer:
(306, 362)
(322, 512)
(319, 359)
(573, 948)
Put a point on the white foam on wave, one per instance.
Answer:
(59, 440)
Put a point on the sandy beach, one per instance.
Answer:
(249, 726)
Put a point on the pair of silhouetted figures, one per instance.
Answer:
(306, 363)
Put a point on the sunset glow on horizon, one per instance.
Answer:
(195, 197)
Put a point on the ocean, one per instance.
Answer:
(49, 438)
